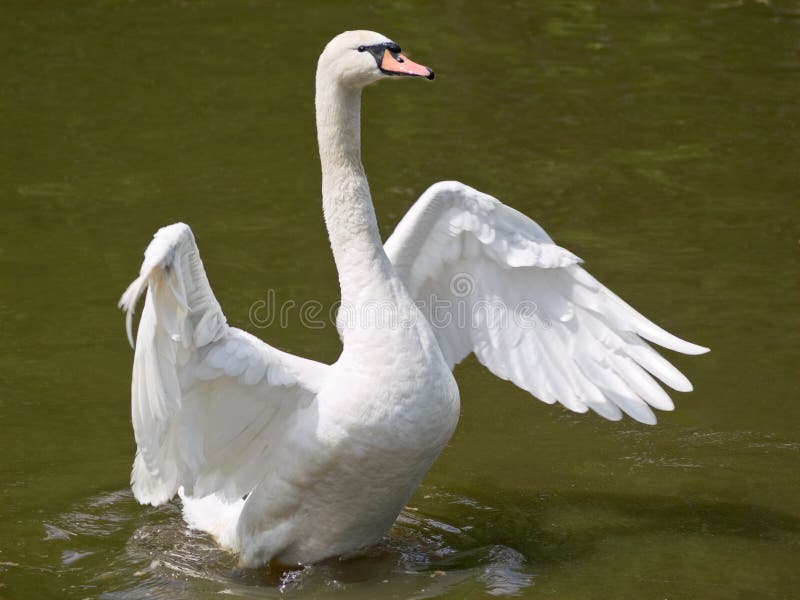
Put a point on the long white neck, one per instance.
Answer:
(364, 269)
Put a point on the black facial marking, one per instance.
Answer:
(377, 51)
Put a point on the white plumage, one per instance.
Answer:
(327, 455)
(576, 343)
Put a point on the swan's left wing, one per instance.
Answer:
(210, 403)
(492, 282)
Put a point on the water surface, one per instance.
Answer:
(657, 140)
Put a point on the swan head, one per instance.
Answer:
(358, 58)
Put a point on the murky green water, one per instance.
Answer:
(658, 140)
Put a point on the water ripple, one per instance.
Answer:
(155, 555)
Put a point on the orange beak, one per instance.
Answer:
(398, 64)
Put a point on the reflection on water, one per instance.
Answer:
(422, 557)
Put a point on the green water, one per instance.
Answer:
(658, 140)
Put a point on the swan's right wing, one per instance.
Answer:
(209, 402)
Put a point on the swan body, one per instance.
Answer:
(284, 458)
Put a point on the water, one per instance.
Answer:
(657, 140)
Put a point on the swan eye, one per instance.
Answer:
(362, 48)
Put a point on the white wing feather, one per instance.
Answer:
(492, 282)
(208, 401)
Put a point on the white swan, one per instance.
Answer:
(327, 455)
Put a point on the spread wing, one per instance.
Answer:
(492, 282)
(208, 401)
